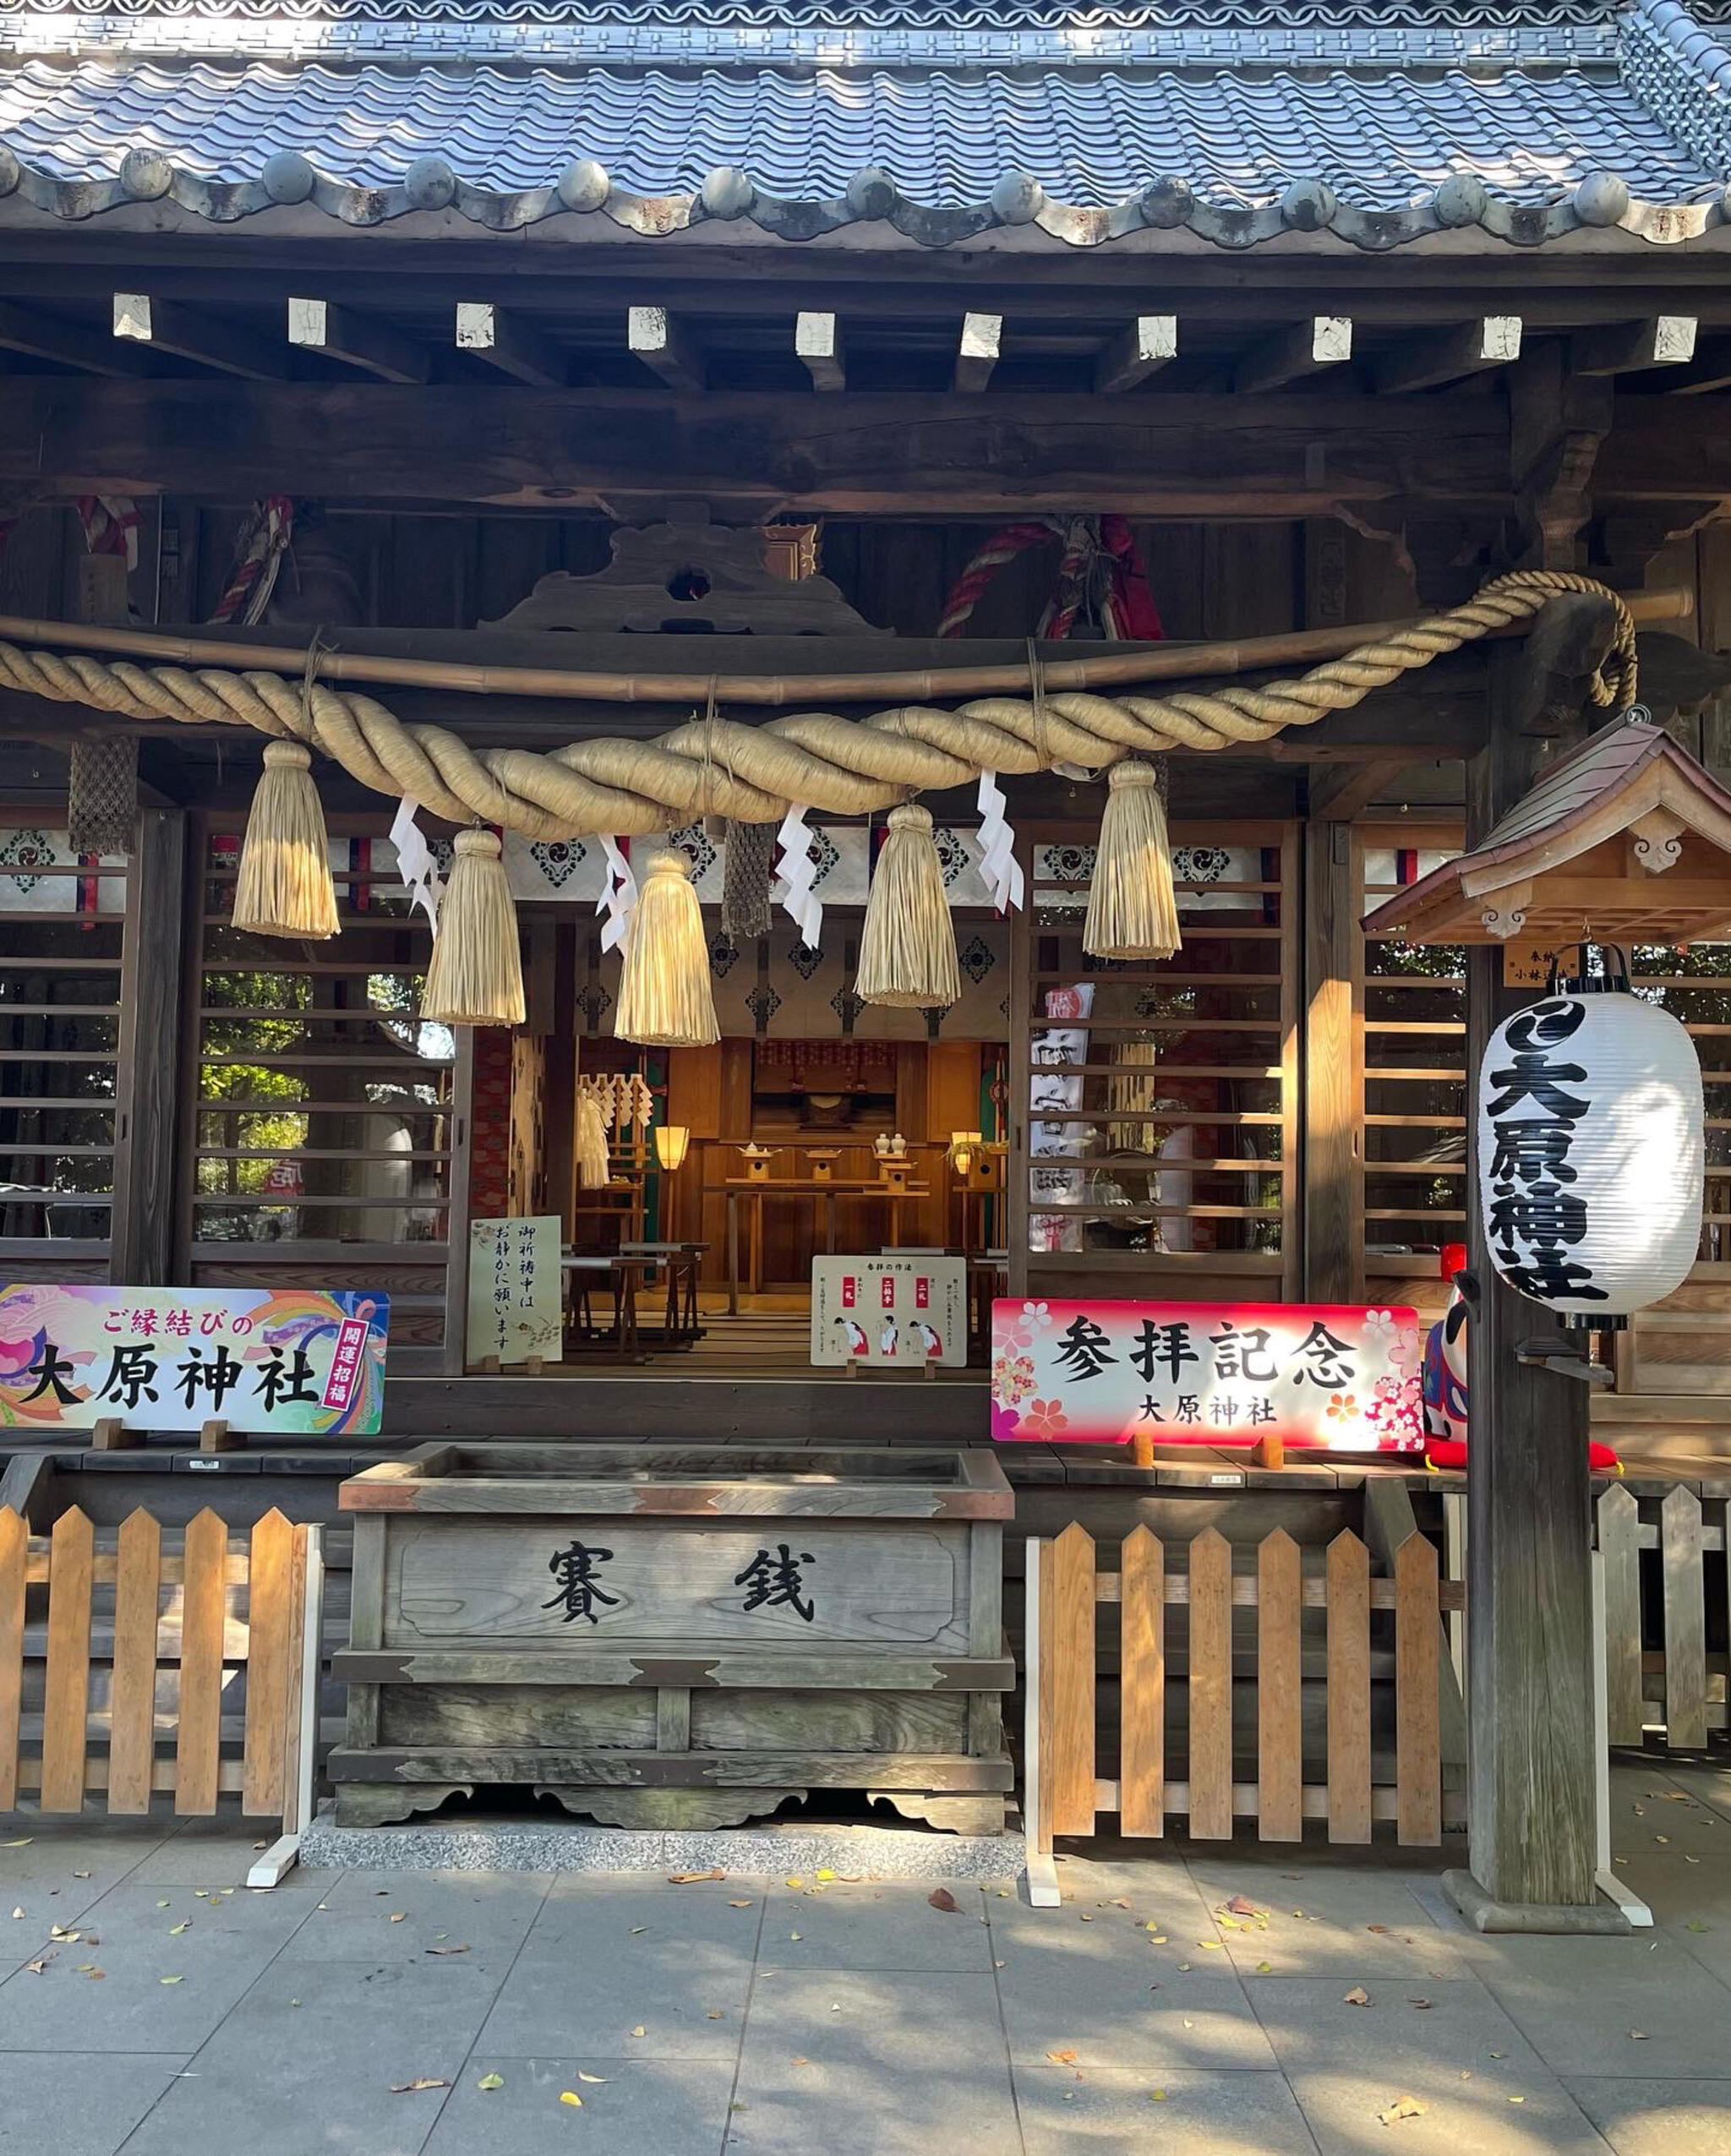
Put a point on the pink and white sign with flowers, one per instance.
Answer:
(1337, 1377)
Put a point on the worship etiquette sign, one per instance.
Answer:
(289, 1360)
(1338, 1377)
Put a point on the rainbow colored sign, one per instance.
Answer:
(290, 1360)
(1338, 1377)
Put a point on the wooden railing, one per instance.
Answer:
(114, 1686)
(1063, 1791)
(1678, 1685)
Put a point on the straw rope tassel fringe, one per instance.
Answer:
(665, 1000)
(476, 974)
(1132, 909)
(285, 887)
(908, 945)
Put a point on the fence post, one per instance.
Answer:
(1606, 1877)
(305, 1668)
(1685, 1581)
(1036, 1729)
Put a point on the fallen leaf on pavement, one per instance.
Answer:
(80, 1874)
(739, 1905)
(1357, 1996)
(825, 1873)
(1517, 2100)
(1376, 1927)
(19, 1911)
(1061, 2057)
(36, 1967)
(171, 1979)
(428, 2081)
(22, 1842)
(640, 2030)
(571, 2096)
(1242, 1906)
(1638, 2035)
(490, 2082)
(715, 2014)
(940, 1897)
(447, 1950)
(638, 1929)
(599, 2080)
(176, 1929)
(1403, 2107)
(1421, 2003)
(1694, 1923)
(398, 1915)
(691, 1878)
(1265, 1969)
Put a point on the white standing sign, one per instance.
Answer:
(897, 1311)
(516, 1305)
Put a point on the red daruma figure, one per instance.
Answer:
(1445, 1377)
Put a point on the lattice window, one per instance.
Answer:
(323, 1105)
(1158, 1101)
(63, 919)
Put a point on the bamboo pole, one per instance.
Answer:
(1155, 662)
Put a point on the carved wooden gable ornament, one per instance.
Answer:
(1626, 840)
(688, 575)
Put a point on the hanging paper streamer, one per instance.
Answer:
(799, 874)
(999, 870)
(618, 894)
(414, 859)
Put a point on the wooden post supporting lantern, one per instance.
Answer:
(1624, 838)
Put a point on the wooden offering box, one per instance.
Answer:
(679, 1636)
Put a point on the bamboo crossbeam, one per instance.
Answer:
(1167, 663)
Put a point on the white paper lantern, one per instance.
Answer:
(1590, 1151)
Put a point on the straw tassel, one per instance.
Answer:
(1132, 909)
(908, 946)
(475, 976)
(284, 888)
(665, 1000)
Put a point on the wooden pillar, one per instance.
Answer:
(148, 1077)
(1530, 1676)
(1334, 963)
(457, 1218)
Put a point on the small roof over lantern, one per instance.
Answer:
(1625, 839)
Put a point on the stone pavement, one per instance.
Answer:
(1243, 2001)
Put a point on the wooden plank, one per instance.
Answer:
(1619, 1517)
(1211, 1686)
(665, 347)
(516, 347)
(1427, 362)
(1291, 355)
(1279, 1757)
(167, 325)
(859, 454)
(341, 333)
(1072, 1682)
(198, 1730)
(270, 1664)
(1142, 1713)
(977, 353)
(1628, 347)
(66, 1691)
(132, 1737)
(13, 1534)
(1149, 343)
(1418, 1771)
(1042, 1581)
(818, 345)
(1685, 1591)
(1348, 1574)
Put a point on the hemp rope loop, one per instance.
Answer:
(754, 774)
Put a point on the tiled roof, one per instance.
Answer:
(1379, 153)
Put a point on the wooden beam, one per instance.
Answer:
(1530, 1708)
(1135, 353)
(1178, 454)
(516, 347)
(340, 333)
(24, 329)
(1426, 363)
(1627, 347)
(149, 1072)
(664, 346)
(1290, 355)
(817, 343)
(165, 325)
(1333, 961)
(977, 355)
(1342, 791)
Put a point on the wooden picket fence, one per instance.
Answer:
(1063, 1791)
(1679, 1686)
(180, 1617)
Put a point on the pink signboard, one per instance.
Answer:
(1339, 1377)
